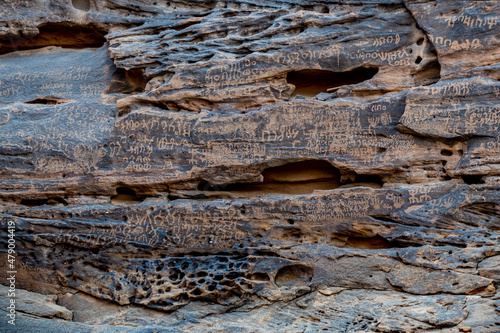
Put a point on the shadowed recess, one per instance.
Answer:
(43, 202)
(369, 243)
(310, 82)
(473, 179)
(127, 82)
(301, 171)
(67, 35)
(125, 196)
(292, 178)
(49, 100)
(294, 275)
(374, 181)
(430, 72)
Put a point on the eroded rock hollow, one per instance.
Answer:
(250, 166)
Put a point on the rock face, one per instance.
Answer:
(251, 166)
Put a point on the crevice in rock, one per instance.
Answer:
(480, 290)
(302, 234)
(368, 243)
(430, 72)
(310, 82)
(49, 100)
(384, 218)
(473, 179)
(125, 196)
(186, 24)
(305, 235)
(293, 178)
(315, 8)
(301, 171)
(43, 202)
(195, 8)
(374, 181)
(130, 81)
(63, 34)
(187, 105)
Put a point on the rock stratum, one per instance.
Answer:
(251, 166)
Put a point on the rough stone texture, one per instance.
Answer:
(251, 166)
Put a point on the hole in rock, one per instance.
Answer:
(183, 104)
(292, 178)
(446, 152)
(43, 202)
(67, 35)
(301, 171)
(429, 73)
(473, 179)
(127, 81)
(376, 242)
(81, 4)
(259, 277)
(197, 292)
(125, 196)
(420, 41)
(384, 218)
(49, 100)
(369, 180)
(310, 82)
(294, 275)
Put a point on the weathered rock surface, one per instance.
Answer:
(249, 166)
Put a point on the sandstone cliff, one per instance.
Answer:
(251, 166)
